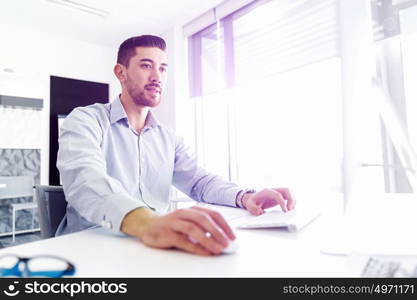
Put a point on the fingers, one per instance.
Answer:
(196, 236)
(280, 200)
(183, 242)
(286, 193)
(218, 218)
(267, 198)
(195, 230)
(206, 223)
(254, 208)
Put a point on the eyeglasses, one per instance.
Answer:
(36, 266)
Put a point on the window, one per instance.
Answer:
(288, 86)
(289, 98)
(269, 106)
(395, 34)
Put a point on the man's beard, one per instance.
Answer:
(140, 97)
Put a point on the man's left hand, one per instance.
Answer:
(257, 202)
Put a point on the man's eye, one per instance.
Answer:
(146, 66)
(163, 70)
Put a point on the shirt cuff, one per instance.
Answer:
(118, 206)
(229, 197)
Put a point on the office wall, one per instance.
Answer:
(35, 56)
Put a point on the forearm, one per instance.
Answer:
(213, 189)
(136, 221)
(199, 184)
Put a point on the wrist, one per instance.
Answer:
(136, 221)
(242, 197)
(245, 198)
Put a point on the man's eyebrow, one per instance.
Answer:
(151, 61)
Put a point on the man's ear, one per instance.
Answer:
(120, 71)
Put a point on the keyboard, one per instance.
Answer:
(293, 220)
(389, 267)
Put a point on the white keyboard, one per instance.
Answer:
(293, 220)
(389, 267)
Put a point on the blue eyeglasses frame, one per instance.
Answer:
(26, 272)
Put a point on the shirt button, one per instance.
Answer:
(106, 224)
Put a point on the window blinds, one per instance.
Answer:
(282, 35)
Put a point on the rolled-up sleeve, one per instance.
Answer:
(198, 183)
(88, 188)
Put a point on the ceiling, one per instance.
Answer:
(125, 18)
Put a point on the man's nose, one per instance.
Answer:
(156, 77)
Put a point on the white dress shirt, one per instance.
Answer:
(108, 169)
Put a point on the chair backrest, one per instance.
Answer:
(52, 208)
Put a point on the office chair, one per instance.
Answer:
(52, 208)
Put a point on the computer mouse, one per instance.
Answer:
(231, 248)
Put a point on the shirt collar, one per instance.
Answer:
(151, 120)
(117, 113)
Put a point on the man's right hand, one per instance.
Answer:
(197, 230)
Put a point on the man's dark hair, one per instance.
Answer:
(128, 48)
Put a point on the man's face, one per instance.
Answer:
(146, 76)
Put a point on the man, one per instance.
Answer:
(117, 163)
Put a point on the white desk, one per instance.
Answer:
(262, 253)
